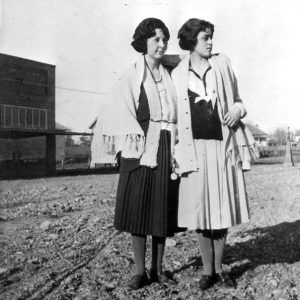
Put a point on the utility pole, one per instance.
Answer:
(288, 150)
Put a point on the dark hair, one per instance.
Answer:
(146, 30)
(189, 31)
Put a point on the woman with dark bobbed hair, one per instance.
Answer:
(214, 147)
(140, 119)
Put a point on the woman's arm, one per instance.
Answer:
(238, 110)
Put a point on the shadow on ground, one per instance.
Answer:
(263, 246)
(266, 245)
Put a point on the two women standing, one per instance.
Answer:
(142, 118)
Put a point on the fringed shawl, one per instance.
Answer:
(118, 115)
(227, 90)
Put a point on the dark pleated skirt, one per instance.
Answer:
(147, 199)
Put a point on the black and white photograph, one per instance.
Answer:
(149, 149)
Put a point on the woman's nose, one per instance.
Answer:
(161, 43)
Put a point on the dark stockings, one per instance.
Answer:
(158, 247)
(139, 250)
(212, 244)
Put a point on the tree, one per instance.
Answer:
(84, 141)
(69, 141)
(281, 135)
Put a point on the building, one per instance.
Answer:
(27, 117)
(297, 137)
(260, 136)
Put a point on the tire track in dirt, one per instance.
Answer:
(52, 284)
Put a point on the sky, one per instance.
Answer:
(89, 42)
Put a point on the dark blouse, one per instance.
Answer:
(205, 119)
(143, 111)
(143, 117)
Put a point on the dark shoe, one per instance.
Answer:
(225, 280)
(165, 278)
(138, 281)
(206, 282)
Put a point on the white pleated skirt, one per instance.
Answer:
(214, 197)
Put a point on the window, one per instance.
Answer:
(15, 116)
(43, 119)
(36, 118)
(22, 117)
(1, 115)
(7, 116)
(29, 118)
(12, 116)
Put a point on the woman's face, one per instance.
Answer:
(157, 45)
(204, 43)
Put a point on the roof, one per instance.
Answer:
(18, 133)
(67, 131)
(93, 124)
(61, 127)
(8, 56)
(256, 132)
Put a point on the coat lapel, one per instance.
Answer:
(182, 77)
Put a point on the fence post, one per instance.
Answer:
(288, 150)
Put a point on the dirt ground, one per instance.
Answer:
(57, 242)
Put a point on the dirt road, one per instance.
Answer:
(57, 242)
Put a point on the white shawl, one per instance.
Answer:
(119, 121)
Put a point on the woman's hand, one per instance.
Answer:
(232, 116)
(174, 174)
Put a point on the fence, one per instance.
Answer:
(270, 151)
(277, 154)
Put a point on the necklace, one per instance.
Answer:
(152, 75)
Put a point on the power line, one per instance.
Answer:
(81, 91)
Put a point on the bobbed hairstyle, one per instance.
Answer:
(146, 30)
(189, 31)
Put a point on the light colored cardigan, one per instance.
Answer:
(118, 118)
(227, 94)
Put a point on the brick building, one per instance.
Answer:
(27, 117)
